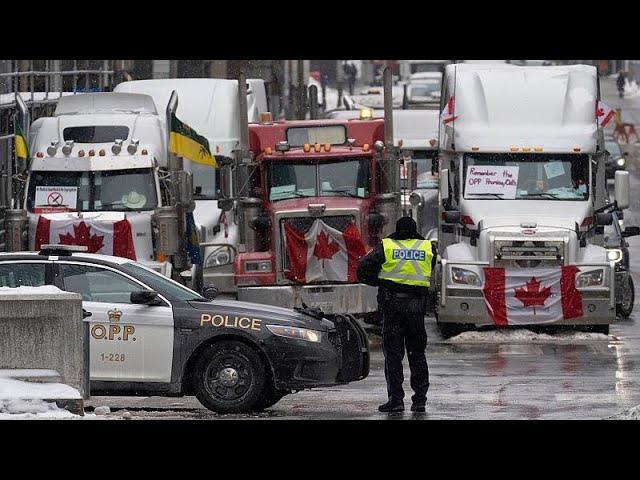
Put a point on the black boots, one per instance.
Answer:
(391, 407)
(418, 407)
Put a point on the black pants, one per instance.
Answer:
(403, 325)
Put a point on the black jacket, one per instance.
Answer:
(370, 265)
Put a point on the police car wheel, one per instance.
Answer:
(229, 377)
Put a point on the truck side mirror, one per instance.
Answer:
(444, 184)
(631, 232)
(621, 189)
(604, 219)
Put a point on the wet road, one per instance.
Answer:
(511, 374)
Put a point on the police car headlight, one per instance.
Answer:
(621, 161)
(463, 276)
(595, 278)
(614, 255)
(220, 256)
(295, 332)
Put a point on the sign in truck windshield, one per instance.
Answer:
(539, 176)
(502, 181)
(55, 198)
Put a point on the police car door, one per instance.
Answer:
(128, 342)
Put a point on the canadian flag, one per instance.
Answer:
(323, 253)
(604, 113)
(528, 296)
(107, 238)
(447, 114)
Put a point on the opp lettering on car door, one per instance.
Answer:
(128, 342)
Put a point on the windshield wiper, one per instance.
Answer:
(541, 194)
(117, 205)
(344, 192)
(496, 195)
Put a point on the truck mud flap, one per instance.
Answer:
(352, 343)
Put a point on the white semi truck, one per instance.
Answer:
(210, 106)
(521, 194)
(99, 176)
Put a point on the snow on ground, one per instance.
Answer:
(23, 290)
(631, 414)
(11, 388)
(525, 336)
(16, 409)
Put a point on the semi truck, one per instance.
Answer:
(522, 199)
(313, 197)
(210, 106)
(99, 175)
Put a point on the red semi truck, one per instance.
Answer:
(314, 196)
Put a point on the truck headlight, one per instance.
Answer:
(465, 277)
(313, 336)
(614, 255)
(621, 161)
(220, 256)
(595, 278)
(257, 266)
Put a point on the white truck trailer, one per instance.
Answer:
(522, 187)
(210, 106)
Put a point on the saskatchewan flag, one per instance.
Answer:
(22, 150)
(185, 142)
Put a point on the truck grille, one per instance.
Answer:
(303, 224)
(528, 253)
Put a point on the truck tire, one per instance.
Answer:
(270, 396)
(229, 377)
(625, 307)
(448, 330)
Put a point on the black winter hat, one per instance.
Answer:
(406, 225)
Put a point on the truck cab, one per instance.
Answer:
(317, 205)
(521, 190)
(95, 176)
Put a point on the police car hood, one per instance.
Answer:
(267, 313)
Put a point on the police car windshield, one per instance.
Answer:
(107, 190)
(162, 284)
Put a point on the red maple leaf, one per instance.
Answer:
(532, 295)
(82, 236)
(324, 248)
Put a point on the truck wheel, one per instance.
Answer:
(229, 377)
(448, 330)
(625, 307)
(270, 396)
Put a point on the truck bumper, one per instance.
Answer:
(461, 307)
(354, 298)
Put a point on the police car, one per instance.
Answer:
(150, 335)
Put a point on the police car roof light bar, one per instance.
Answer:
(62, 250)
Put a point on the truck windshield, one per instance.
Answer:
(526, 176)
(345, 177)
(108, 190)
(425, 168)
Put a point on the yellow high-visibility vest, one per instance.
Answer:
(407, 262)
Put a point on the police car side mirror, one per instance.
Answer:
(145, 297)
(210, 292)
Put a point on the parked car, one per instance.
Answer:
(150, 335)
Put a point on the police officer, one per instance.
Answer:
(400, 266)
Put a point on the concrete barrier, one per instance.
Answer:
(43, 328)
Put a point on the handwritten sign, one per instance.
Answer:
(56, 197)
(492, 179)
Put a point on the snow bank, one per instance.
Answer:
(16, 409)
(44, 290)
(11, 388)
(525, 336)
(631, 414)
